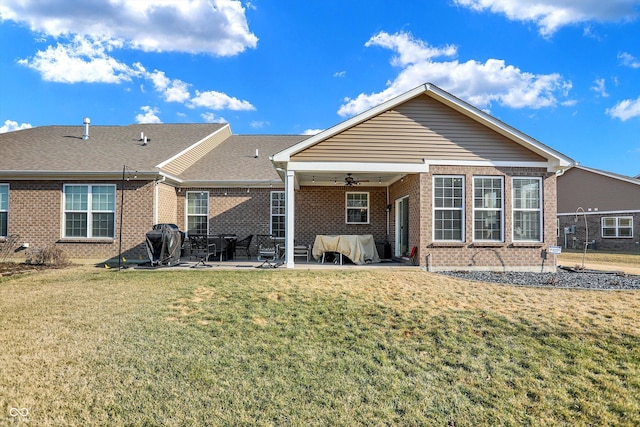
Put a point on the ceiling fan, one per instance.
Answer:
(350, 180)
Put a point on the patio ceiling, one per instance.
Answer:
(368, 179)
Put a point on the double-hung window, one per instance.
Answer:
(488, 208)
(89, 210)
(278, 214)
(197, 212)
(4, 209)
(357, 208)
(617, 227)
(448, 208)
(527, 209)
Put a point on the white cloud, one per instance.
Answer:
(259, 124)
(217, 27)
(551, 15)
(173, 90)
(86, 60)
(625, 110)
(599, 88)
(312, 131)
(148, 115)
(82, 60)
(10, 126)
(629, 60)
(219, 101)
(340, 74)
(481, 84)
(209, 117)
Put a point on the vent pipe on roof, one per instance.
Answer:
(257, 154)
(86, 123)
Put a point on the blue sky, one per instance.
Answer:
(566, 72)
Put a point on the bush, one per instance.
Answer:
(48, 255)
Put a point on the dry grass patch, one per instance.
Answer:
(381, 347)
(598, 260)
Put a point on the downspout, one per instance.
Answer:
(388, 213)
(156, 184)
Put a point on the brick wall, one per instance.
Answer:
(167, 204)
(506, 255)
(321, 210)
(407, 186)
(36, 212)
(232, 211)
(594, 224)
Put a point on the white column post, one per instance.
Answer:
(289, 230)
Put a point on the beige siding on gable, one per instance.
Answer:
(187, 159)
(592, 191)
(421, 128)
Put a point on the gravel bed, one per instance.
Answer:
(561, 279)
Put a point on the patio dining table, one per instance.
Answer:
(359, 248)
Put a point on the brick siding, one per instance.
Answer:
(36, 213)
(594, 223)
(506, 255)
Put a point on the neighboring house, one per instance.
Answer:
(426, 172)
(611, 206)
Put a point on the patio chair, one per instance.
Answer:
(220, 246)
(268, 250)
(244, 245)
(201, 248)
(302, 251)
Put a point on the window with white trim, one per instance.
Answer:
(488, 208)
(617, 227)
(527, 209)
(448, 208)
(4, 210)
(278, 218)
(357, 208)
(197, 212)
(89, 210)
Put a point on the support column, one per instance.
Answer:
(289, 230)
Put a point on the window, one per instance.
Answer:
(4, 209)
(617, 226)
(487, 208)
(357, 209)
(197, 212)
(448, 206)
(527, 209)
(89, 211)
(278, 214)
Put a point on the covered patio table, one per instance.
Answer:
(361, 249)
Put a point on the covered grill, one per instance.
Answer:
(164, 244)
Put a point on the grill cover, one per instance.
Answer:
(164, 244)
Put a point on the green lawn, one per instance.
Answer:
(368, 347)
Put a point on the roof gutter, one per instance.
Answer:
(234, 184)
(78, 175)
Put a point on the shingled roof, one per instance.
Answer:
(234, 161)
(62, 149)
